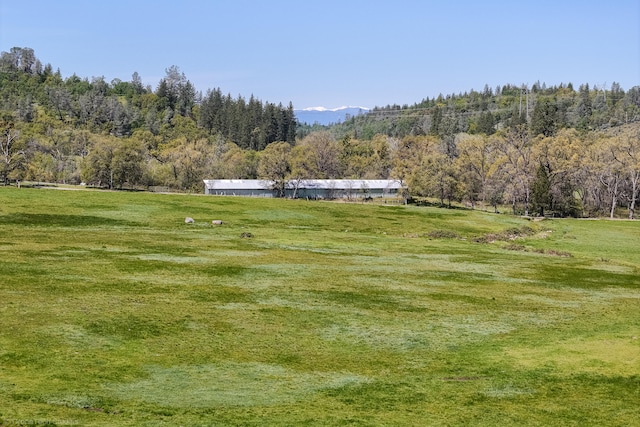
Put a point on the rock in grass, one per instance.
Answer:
(189, 220)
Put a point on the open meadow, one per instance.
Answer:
(114, 312)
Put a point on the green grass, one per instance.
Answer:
(113, 311)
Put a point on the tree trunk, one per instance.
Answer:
(295, 188)
(613, 206)
(614, 199)
(634, 195)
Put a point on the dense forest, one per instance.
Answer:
(540, 150)
(124, 133)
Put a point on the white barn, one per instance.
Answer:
(306, 188)
(239, 187)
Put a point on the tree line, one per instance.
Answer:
(571, 173)
(538, 150)
(73, 129)
(544, 109)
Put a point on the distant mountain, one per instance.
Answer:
(324, 116)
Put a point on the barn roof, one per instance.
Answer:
(237, 184)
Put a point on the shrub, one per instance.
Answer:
(443, 234)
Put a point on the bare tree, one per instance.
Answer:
(274, 165)
(12, 156)
(516, 165)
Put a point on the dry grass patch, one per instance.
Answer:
(601, 355)
(229, 384)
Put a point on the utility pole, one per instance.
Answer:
(520, 112)
(524, 89)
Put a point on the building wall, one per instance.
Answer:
(243, 193)
(323, 193)
(311, 189)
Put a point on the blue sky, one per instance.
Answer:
(334, 52)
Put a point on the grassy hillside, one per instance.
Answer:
(113, 311)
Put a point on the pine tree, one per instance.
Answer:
(544, 118)
(541, 191)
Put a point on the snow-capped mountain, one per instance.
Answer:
(326, 116)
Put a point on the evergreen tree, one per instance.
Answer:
(436, 120)
(541, 191)
(583, 107)
(291, 127)
(544, 120)
(486, 123)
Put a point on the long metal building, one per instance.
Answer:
(306, 188)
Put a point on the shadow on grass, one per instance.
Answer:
(56, 220)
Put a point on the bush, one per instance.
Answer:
(443, 234)
(508, 234)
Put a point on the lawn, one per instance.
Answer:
(113, 311)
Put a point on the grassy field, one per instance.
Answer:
(113, 311)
